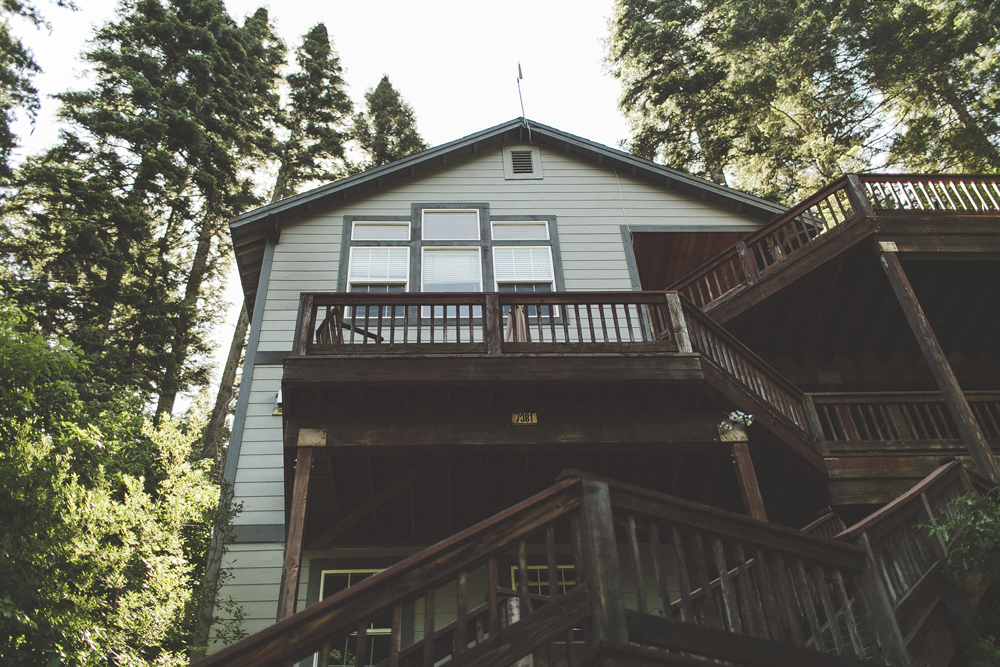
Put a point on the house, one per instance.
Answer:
(588, 408)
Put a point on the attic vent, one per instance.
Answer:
(520, 162)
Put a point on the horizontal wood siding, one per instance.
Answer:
(256, 576)
(259, 472)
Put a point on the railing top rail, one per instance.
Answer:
(405, 580)
(828, 397)
(477, 298)
(691, 311)
(721, 522)
(904, 505)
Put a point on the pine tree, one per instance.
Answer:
(387, 130)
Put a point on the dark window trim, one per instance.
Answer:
(485, 242)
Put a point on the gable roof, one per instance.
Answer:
(251, 230)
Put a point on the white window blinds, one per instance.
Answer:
(517, 264)
(451, 270)
(380, 231)
(451, 225)
(518, 231)
(379, 264)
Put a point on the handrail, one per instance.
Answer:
(484, 323)
(744, 366)
(843, 202)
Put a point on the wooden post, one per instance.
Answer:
(493, 324)
(879, 612)
(747, 262)
(815, 427)
(289, 592)
(678, 322)
(958, 407)
(601, 568)
(858, 197)
(745, 475)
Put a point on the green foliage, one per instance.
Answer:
(784, 96)
(107, 520)
(314, 118)
(973, 532)
(387, 130)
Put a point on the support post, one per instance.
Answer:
(958, 407)
(879, 611)
(601, 568)
(678, 322)
(736, 433)
(289, 592)
(493, 323)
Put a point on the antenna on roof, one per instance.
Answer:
(520, 97)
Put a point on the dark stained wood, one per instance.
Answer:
(600, 560)
(747, 479)
(959, 408)
(878, 610)
(662, 258)
(289, 590)
(324, 540)
(699, 640)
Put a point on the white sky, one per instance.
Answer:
(454, 61)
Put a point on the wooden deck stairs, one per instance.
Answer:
(654, 580)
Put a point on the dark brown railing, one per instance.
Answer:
(904, 417)
(485, 323)
(910, 563)
(746, 368)
(841, 203)
(699, 581)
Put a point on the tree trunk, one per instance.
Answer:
(212, 437)
(170, 384)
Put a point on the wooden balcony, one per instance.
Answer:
(698, 585)
(921, 214)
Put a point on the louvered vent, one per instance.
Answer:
(520, 162)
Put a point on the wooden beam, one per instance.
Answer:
(747, 479)
(600, 559)
(324, 540)
(289, 591)
(958, 406)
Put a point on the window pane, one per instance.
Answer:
(451, 225)
(451, 270)
(518, 231)
(522, 264)
(379, 264)
(381, 231)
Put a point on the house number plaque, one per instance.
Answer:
(524, 418)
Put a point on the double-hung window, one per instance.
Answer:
(523, 268)
(383, 268)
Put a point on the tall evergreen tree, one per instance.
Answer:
(118, 231)
(786, 95)
(387, 130)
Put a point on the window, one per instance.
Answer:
(379, 632)
(538, 579)
(451, 225)
(378, 270)
(364, 230)
(520, 230)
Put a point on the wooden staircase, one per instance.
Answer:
(656, 580)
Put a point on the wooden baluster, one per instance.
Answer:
(768, 598)
(683, 580)
(433, 323)
(713, 615)
(658, 564)
(361, 647)
(323, 659)
(628, 321)
(614, 319)
(590, 323)
(845, 605)
(553, 572)
(780, 575)
(551, 310)
(522, 577)
(751, 607)
(462, 621)
(579, 325)
(378, 329)
(364, 334)
(819, 577)
(429, 628)
(392, 325)
(802, 585)
(492, 582)
(604, 324)
(728, 594)
(640, 586)
(420, 323)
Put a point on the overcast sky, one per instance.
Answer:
(454, 61)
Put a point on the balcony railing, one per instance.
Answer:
(909, 417)
(841, 203)
(699, 581)
(485, 323)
